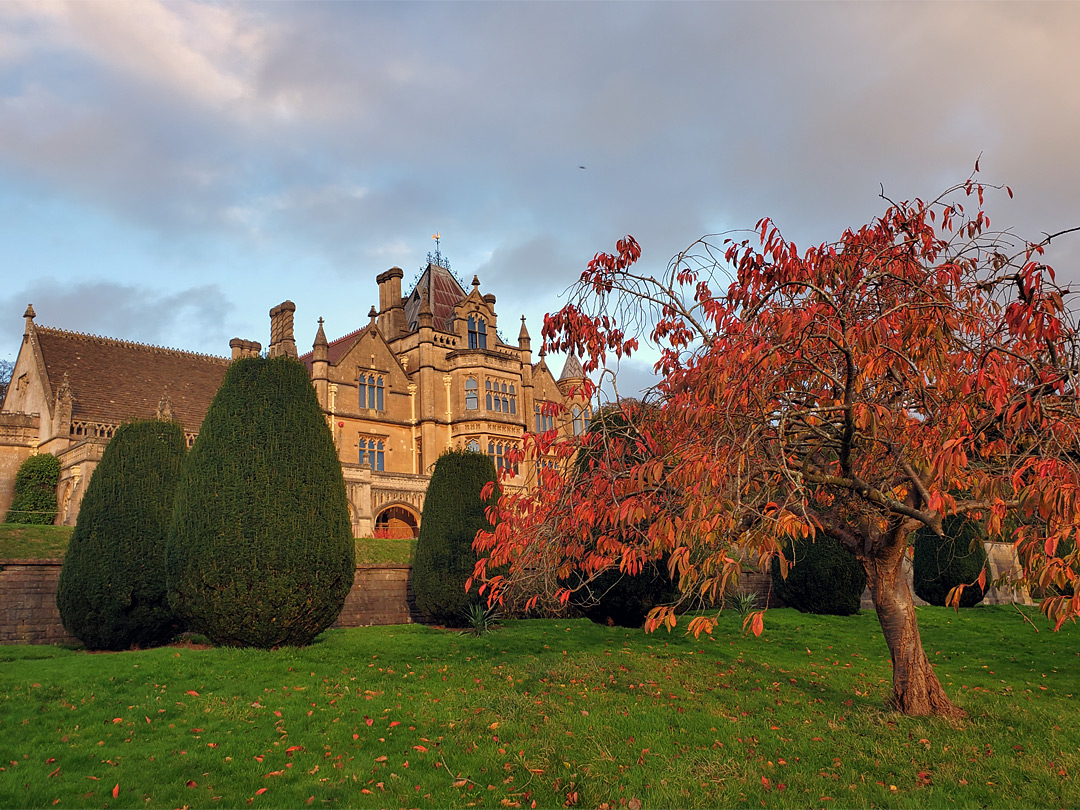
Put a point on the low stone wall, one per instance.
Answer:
(28, 614)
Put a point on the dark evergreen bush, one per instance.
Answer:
(453, 514)
(260, 549)
(111, 592)
(34, 500)
(942, 563)
(624, 600)
(611, 445)
(824, 579)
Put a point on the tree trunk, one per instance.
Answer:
(916, 688)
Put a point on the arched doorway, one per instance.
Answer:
(396, 522)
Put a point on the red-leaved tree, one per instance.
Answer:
(920, 366)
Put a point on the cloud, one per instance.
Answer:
(189, 319)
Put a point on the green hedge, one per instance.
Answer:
(942, 563)
(260, 550)
(453, 514)
(111, 593)
(824, 577)
(34, 501)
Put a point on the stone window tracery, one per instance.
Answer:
(371, 391)
(477, 332)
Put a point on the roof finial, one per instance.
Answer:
(437, 258)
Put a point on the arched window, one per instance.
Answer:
(580, 419)
(371, 391)
(473, 446)
(513, 400)
(487, 399)
(472, 395)
(544, 421)
(477, 332)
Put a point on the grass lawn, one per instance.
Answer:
(18, 542)
(553, 712)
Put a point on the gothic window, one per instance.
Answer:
(544, 421)
(513, 400)
(473, 446)
(580, 419)
(487, 400)
(500, 397)
(477, 332)
(472, 396)
(499, 453)
(371, 451)
(371, 391)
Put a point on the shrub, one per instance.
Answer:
(624, 600)
(942, 563)
(453, 514)
(824, 578)
(260, 549)
(34, 500)
(111, 593)
(615, 598)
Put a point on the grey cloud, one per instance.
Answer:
(193, 319)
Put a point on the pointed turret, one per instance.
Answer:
(320, 367)
(572, 370)
(29, 315)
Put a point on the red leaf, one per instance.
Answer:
(395, 723)
(368, 720)
(419, 748)
(116, 790)
(192, 692)
(260, 791)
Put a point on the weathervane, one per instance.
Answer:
(437, 257)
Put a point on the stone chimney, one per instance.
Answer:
(281, 330)
(391, 311)
(244, 348)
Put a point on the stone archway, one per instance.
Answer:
(397, 521)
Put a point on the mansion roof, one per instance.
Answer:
(113, 380)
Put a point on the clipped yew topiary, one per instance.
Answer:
(260, 550)
(111, 593)
(824, 578)
(942, 563)
(453, 514)
(34, 500)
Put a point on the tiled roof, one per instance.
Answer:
(443, 292)
(113, 380)
(572, 370)
(336, 349)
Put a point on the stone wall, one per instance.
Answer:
(28, 614)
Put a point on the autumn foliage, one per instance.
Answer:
(921, 366)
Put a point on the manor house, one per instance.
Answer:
(429, 372)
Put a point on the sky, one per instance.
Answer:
(170, 171)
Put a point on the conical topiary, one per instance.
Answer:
(942, 563)
(824, 577)
(453, 514)
(260, 550)
(111, 593)
(34, 500)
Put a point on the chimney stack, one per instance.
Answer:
(281, 330)
(244, 348)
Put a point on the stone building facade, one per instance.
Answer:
(429, 372)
